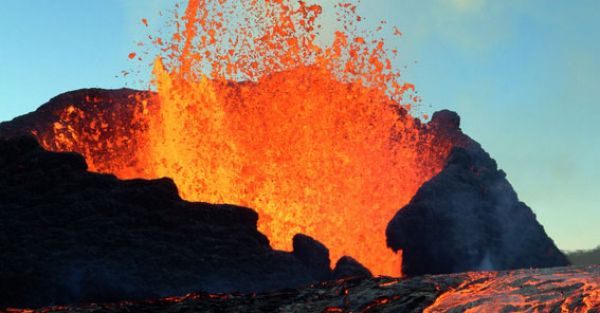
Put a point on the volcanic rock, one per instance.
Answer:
(575, 289)
(70, 236)
(348, 267)
(314, 255)
(446, 119)
(101, 114)
(467, 218)
(116, 104)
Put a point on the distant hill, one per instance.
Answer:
(584, 257)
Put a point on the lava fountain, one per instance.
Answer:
(251, 109)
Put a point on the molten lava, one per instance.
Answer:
(497, 291)
(250, 109)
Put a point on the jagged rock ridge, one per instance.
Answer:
(69, 236)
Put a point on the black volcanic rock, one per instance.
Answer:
(445, 119)
(467, 218)
(102, 103)
(69, 236)
(573, 289)
(348, 267)
(314, 255)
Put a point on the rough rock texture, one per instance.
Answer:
(348, 267)
(467, 218)
(314, 255)
(68, 235)
(575, 289)
(104, 104)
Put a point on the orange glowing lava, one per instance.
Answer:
(499, 291)
(250, 109)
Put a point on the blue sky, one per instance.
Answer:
(523, 75)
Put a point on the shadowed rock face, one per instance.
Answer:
(68, 236)
(314, 255)
(467, 218)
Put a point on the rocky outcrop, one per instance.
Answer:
(348, 267)
(106, 126)
(314, 255)
(468, 218)
(110, 106)
(69, 236)
(543, 290)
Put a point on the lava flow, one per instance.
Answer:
(251, 109)
(574, 289)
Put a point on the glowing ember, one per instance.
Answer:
(316, 138)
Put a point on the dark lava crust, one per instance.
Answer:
(541, 290)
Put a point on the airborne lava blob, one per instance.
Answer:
(250, 109)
